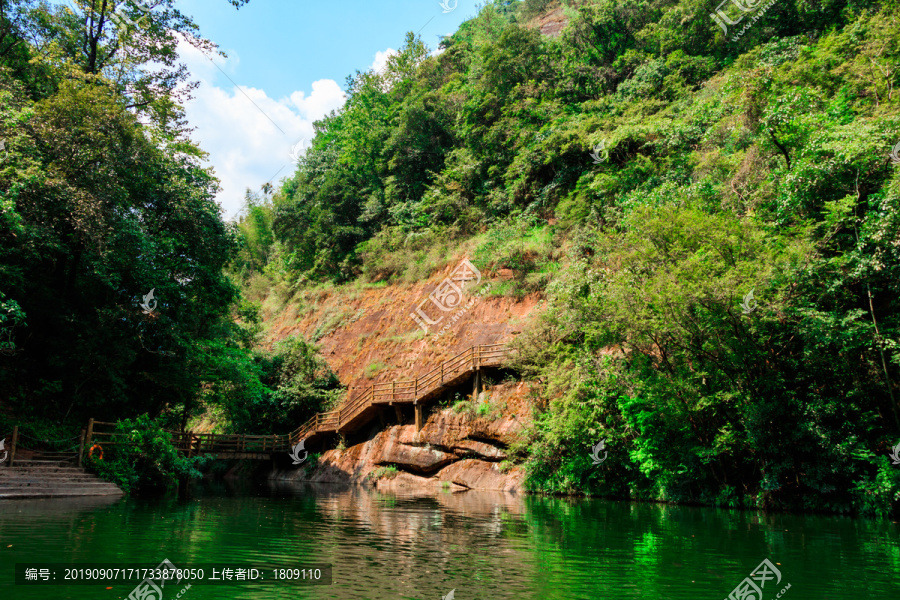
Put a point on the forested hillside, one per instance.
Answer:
(114, 300)
(707, 201)
(721, 271)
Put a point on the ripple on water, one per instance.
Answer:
(484, 545)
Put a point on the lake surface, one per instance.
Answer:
(483, 545)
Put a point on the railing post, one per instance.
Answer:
(12, 451)
(90, 432)
(81, 447)
(497, 353)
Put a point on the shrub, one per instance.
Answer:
(146, 460)
(386, 471)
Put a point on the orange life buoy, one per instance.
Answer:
(96, 447)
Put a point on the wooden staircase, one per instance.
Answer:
(357, 412)
(349, 417)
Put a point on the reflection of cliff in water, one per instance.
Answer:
(414, 532)
(399, 512)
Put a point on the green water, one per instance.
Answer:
(482, 545)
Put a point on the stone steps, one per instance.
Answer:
(45, 463)
(33, 465)
(55, 493)
(52, 483)
(8, 480)
(76, 473)
(49, 479)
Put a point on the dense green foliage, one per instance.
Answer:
(271, 391)
(501, 122)
(103, 201)
(143, 458)
(684, 169)
(98, 210)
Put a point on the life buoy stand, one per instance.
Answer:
(96, 447)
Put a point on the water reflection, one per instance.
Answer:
(486, 545)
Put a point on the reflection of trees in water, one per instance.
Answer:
(75, 518)
(411, 544)
(422, 544)
(660, 550)
(63, 509)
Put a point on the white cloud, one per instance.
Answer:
(381, 58)
(248, 135)
(326, 95)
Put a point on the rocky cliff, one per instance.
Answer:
(456, 449)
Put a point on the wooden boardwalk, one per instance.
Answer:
(359, 411)
(352, 415)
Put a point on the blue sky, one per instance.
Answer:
(292, 59)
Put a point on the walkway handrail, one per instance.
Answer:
(410, 390)
(471, 358)
(193, 444)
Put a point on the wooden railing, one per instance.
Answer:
(400, 392)
(194, 444)
(404, 392)
(36, 449)
(212, 443)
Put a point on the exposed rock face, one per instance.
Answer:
(552, 23)
(456, 450)
(367, 335)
